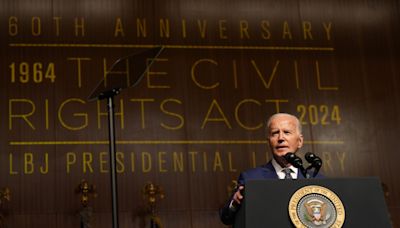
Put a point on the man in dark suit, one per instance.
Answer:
(284, 136)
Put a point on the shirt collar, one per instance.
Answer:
(278, 169)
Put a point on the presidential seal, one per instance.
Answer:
(316, 206)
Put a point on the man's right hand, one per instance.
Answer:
(238, 196)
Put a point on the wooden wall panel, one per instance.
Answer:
(198, 118)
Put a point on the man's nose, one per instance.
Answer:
(280, 137)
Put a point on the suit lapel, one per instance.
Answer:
(268, 171)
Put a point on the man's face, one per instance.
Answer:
(284, 136)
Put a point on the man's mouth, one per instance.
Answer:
(281, 147)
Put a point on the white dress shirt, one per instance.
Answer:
(281, 173)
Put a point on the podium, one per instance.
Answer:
(359, 202)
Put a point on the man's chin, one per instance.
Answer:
(280, 159)
(281, 153)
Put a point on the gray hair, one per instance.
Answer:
(299, 128)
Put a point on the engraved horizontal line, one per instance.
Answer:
(226, 47)
(159, 142)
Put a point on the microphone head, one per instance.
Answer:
(293, 159)
(289, 156)
(309, 157)
(313, 159)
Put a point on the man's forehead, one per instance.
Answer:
(282, 123)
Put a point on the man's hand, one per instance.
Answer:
(238, 196)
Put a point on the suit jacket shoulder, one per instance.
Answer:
(266, 171)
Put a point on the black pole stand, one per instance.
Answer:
(140, 60)
(112, 151)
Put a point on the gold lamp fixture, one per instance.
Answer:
(86, 190)
(151, 193)
(5, 195)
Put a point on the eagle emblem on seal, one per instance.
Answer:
(316, 212)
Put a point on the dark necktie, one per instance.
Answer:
(287, 172)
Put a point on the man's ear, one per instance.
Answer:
(301, 140)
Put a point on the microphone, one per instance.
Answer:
(314, 161)
(296, 162)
